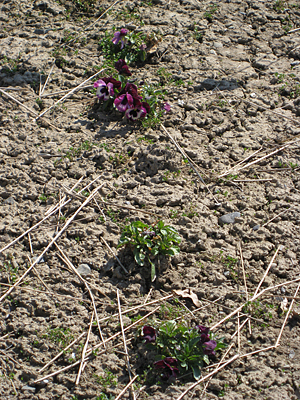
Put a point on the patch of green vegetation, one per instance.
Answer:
(11, 65)
(174, 214)
(169, 174)
(213, 8)
(171, 311)
(107, 380)
(144, 138)
(76, 151)
(129, 16)
(147, 242)
(190, 212)
(280, 5)
(132, 53)
(43, 198)
(11, 270)
(61, 336)
(197, 35)
(259, 309)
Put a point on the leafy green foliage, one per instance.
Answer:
(154, 98)
(147, 242)
(175, 339)
(60, 336)
(132, 52)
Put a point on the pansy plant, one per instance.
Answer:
(181, 349)
(143, 102)
(123, 44)
(146, 242)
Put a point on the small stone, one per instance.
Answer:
(229, 218)
(41, 260)
(256, 228)
(10, 201)
(83, 269)
(218, 45)
(253, 95)
(292, 354)
(29, 388)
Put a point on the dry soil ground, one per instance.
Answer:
(232, 73)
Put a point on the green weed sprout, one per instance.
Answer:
(146, 242)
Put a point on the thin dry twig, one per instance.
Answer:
(90, 351)
(239, 163)
(125, 388)
(240, 327)
(267, 109)
(267, 270)
(39, 277)
(27, 108)
(239, 333)
(124, 342)
(252, 299)
(30, 229)
(116, 257)
(219, 363)
(252, 180)
(84, 350)
(137, 307)
(48, 77)
(68, 222)
(287, 315)
(245, 283)
(67, 90)
(73, 269)
(62, 352)
(282, 212)
(207, 376)
(262, 158)
(191, 164)
(68, 94)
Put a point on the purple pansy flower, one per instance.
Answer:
(105, 88)
(124, 102)
(104, 91)
(209, 347)
(122, 67)
(117, 84)
(149, 334)
(166, 107)
(135, 113)
(143, 46)
(119, 35)
(208, 344)
(169, 365)
(133, 91)
(203, 329)
(146, 106)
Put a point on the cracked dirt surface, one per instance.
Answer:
(232, 73)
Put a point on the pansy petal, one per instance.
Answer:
(110, 87)
(123, 32)
(100, 82)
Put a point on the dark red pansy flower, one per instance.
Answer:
(149, 334)
(169, 365)
(122, 67)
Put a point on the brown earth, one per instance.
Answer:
(232, 72)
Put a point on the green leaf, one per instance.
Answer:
(143, 55)
(206, 359)
(196, 372)
(139, 257)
